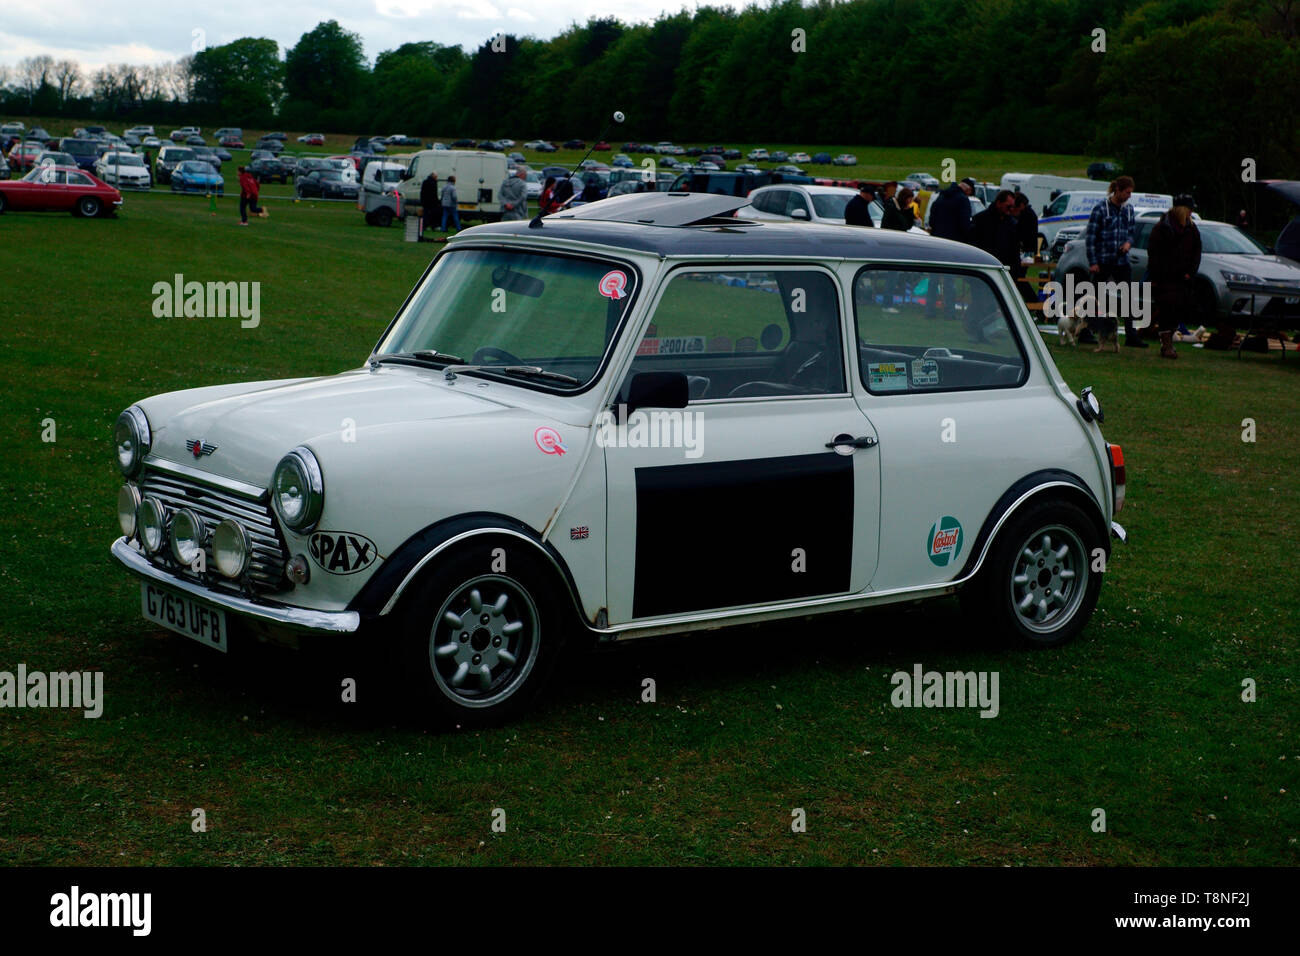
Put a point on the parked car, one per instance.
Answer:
(731, 154)
(757, 154)
(169, 157)
(38, 134)
(278, 136)
(325, 184)
(464, 144)
(780, 156)
(231, 142)
(228, 132)
(124, 170)
(132, 140)
(209, 155)
(845, 159)
(151, 142)
(602, 147)
(141, 131)
(714, 158)
(267, 169)
(800, 158)
(406, 141)
(347, 165)
(13, 128)
(623, 160)
(59, 189)
(534, 145)
(86, 151)
(196, 176)
(788, 170)
(822, 158)
(195, 140)
(517, 158)
(4, 167)
(272, 146)
(312, 139)
(574, 144)
(1227, 255)
(923, 181)
(56, 158)
(806, 203)
(222, 154)
(474, 591)
(1103, 171)
(184, 133)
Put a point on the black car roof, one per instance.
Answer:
(688, 224)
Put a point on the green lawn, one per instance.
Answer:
(1142, 716)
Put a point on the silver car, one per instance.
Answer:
(1227, 255)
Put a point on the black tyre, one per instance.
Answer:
(2, 203)
(1038, 585)
(88, 206)
(480, 643)
(383, 217)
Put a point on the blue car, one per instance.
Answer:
(196, 176)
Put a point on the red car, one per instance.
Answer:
(23, 156)
(312, 139)
(60, 189)
(355, 160)
(231, 142)
(602, 146)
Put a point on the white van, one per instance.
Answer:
(479, 175)
(1042, 189)
(1070, 210)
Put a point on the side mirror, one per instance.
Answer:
(658, 390)
(799, 214)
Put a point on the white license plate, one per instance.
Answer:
(184, 615)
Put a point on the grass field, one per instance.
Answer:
(1142, 716)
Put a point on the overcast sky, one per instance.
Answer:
(95, 32)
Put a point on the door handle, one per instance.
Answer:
(848, 441)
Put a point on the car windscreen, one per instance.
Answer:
(511, 308)
(82, 147)
(123, 159)
(830, 205)
(179, 155)
(1228, 240)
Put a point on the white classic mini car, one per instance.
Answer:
(639, 417)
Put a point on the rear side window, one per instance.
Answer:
(1057, 208)
(933, 330)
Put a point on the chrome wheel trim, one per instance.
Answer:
(484, 641)
(1049, 578)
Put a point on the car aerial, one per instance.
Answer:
(788, 170)
(169, 157)
(23, 156)
(231, 142)
(312, 139)
(845, 159)
(267, 169)
(124, 170)
(196, 176)
(802, 377)
(1228, 255)
(757, 154)
(923, 181)
(59, 189)
(800, 158)
(326, 184)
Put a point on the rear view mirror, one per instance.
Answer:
(658, 390)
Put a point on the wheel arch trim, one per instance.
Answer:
(1020, 494)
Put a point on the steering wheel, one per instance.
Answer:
(491, 355)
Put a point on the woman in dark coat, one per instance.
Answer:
(430, 202)
(1175, 255)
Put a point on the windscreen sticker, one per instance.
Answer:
(887, 376)
(671, 345)
(613, 284)
(925, 372)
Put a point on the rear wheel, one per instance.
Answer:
(88, 206)
(1039, 585)
(384, 217)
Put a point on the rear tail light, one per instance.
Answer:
(1117, 474)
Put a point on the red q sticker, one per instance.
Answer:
(548, 440)
(613, 285)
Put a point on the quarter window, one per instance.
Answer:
(1057, 208)
(926, 330)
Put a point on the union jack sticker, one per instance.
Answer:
(579, 533)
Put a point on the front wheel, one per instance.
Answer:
(88, 206)
(481, 636)
(1039, 584)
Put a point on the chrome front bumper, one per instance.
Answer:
(277, 615)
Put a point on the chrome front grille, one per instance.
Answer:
(214, 504)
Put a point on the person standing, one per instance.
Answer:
(514, 196)
(907, 203)
(1027, 239)
(430, 206)
(248, 190)
(994, 230)
(1175, 255)
(450, 206)
(546, 203)
(1109, 238)
(858, 210)
(892, 216)
(950, 215)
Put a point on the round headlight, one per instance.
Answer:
(187, 536)
(131, 438)
(151, 520)
(230, 550)
(298, 490)
(128, 500)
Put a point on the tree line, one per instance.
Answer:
(1187, 94)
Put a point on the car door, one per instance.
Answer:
(737, 500)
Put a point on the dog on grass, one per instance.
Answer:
(1067, 326)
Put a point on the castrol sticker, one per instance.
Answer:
(944, 541)
(613, 284)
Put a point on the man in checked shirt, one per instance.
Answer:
(1110, 236)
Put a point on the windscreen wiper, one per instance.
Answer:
(421, 356)
(530, 370)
